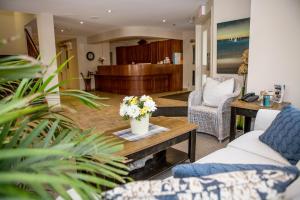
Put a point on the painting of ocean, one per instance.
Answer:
(232, 40)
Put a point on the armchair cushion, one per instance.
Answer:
(214, 91)
(284, 134)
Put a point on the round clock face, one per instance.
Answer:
(90, 55)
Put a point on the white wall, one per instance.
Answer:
(12, 24)
(84, 65)
(274, 47)
(226, 11)
(188, 65)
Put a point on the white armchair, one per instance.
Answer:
(211, 120)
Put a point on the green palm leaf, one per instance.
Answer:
(42, 151)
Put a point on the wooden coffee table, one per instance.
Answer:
(160, 144)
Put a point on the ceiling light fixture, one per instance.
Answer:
(109, 11)
(81, 22)
(164, 21)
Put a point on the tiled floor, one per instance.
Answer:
(108, 117)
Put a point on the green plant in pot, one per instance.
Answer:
(42, 152)
(243, 71)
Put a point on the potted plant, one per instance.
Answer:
(243, 71)
(42, 152)
(138, 110)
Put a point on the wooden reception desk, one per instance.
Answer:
(139, 79)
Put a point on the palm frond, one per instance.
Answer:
(42, 151)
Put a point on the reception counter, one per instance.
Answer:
(138, 79)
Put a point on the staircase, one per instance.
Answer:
(32, 48)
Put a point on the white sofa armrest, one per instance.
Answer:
(264, 118)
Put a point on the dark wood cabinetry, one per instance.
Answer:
(139, 79)
(148, 53)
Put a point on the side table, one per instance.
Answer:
(249, 110)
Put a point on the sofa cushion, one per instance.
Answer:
(249, 142)
(264, 184)
(206, 169)
(264, 118)
(284, 134)
(232, 155)
(214, 91)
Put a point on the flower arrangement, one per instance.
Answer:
(243, 69)
(137, 108)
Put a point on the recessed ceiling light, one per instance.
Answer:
(164, 21)
(81, 22)
(62, 30)
(109, 10)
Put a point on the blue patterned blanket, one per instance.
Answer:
(269, 183)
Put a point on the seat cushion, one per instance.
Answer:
(214, 91)
(231, 155)
(249, 142)
(205, 117)
(284, 134)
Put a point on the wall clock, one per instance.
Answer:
(90, 56)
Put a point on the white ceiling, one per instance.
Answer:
(68, 13)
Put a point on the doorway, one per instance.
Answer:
(63, 75)
(69, 75)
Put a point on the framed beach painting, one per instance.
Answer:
(232, 40)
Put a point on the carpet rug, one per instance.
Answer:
(180, 96)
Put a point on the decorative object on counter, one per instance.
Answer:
(243, 70)
(87, 80)
(177, 58)
(267, 98)
(278, 93)
(138, 110)
(90, 56)
(167, 60)
(101, 60)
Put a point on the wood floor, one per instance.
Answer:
(108, 118)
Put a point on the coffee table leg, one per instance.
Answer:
(192, 146)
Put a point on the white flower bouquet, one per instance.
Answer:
(137, 108)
